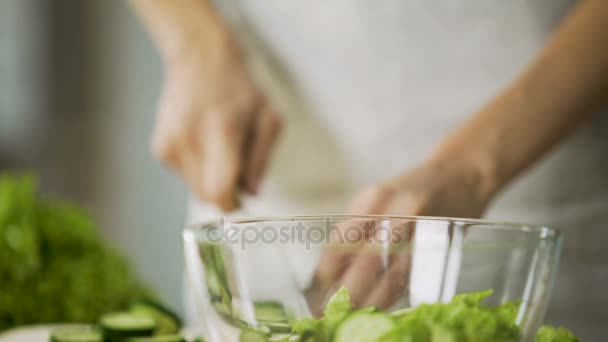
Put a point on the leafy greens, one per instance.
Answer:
(53, 265)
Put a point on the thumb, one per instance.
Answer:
(221, 163)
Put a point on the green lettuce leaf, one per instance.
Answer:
(60, 270)
(464, 319)
(548, 333)
(338, 307)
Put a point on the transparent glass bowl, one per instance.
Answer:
(241, 269)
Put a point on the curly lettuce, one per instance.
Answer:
(464, 319)
(53, 265)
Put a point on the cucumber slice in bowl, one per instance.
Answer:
(270, 311)
(364, 327)
(120, 326)
(273, 315)
(76, 333)
(250, 335)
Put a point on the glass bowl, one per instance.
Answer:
(242, 271)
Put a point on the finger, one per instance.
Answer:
(164, 143)
(360, 277)
(172, 144)
(345, 240)
(393, 237)
(164, 149)
(191, 161)
(393, 283)
(370, 261)
(221, 159)
(326, 277)
(369, 272)
(265, 133)
(344, 243)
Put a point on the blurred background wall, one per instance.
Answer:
(78, 87)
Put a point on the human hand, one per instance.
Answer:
(214, 127)
(433, 189)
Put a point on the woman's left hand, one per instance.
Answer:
(434, 189)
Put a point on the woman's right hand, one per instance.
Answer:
(214, 127)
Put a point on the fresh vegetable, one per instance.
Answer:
(121, 326)
(363, 326)
(76, 333)
(216, 279)
(273, 315)
(337, 308)
(53, 265)
(129, 326)
(250, 335)
(167, 322)
(164, 338)
(464, 319)
(548, 333)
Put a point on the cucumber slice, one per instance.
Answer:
(120, 326)
(277, 327)
(164, 338)
(199, 339)
(273, 315)
(270, 311)
(249, 335)
(216, 279)
(167, 322)
(76, 333)
(364, 327)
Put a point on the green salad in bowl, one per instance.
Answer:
(425, 280)
(464, 319)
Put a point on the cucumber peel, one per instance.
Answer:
(76, 333)
(120, 326)
(363, 327)
(273, 315)
(250, 335)
(163, 338)
(167, 322)
(464, 319)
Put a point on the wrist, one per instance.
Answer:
(480, 169)
(191, 30)
(194, 43)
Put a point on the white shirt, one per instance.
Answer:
(379, 84)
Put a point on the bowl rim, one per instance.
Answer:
(542, 232)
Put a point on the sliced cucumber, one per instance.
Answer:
(216, 280)
(288, 338)
(164, 338)
(363, 327)
(199, 339)
(120, 326)
(250, 335)
(167, 322)
(277, 327)
(273, 315)
(270, 311)
(76, 333)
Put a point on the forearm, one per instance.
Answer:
(178, 26)
(566, 84)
